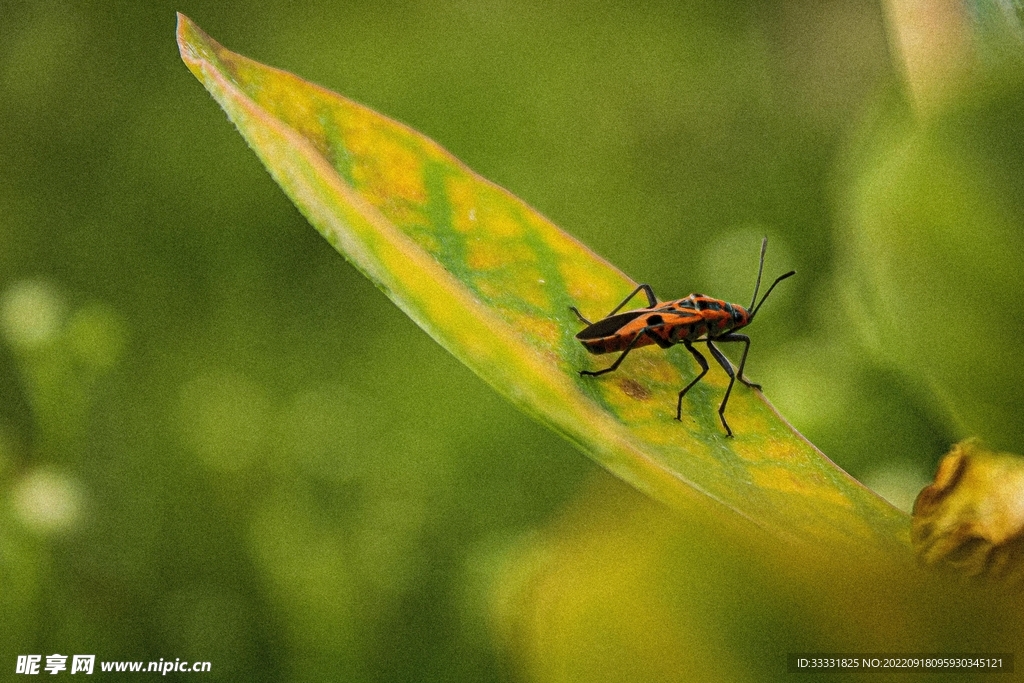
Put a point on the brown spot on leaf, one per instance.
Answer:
(634, 389)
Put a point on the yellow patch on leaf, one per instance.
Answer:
(539, 330)
(388, 174)
(482, 209)
(783, 479)
(489, 254)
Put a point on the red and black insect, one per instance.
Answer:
(697, 318)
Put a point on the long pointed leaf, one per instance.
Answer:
(492, 281)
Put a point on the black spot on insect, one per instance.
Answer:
(655, 320)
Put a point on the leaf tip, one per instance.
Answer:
(193, 43)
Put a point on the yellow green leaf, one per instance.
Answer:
(492, 281)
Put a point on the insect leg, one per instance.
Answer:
(580, 315)
(722, 360)
(727, 366)
(618, 361)
(702, 361)
(733, 337)
(652, 300)
(732, 377)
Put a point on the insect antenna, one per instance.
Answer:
(757, 285)
(777, 281)
(760, 269)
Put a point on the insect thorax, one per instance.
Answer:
(717, 317)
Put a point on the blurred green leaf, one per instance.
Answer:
(935, 251)
(492, 281)
(998, 29)
(16, 420)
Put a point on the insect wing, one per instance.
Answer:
(610, 325)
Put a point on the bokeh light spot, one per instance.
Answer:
(31, 312)
(47, 501)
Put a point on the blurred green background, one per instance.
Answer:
(219, 442)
